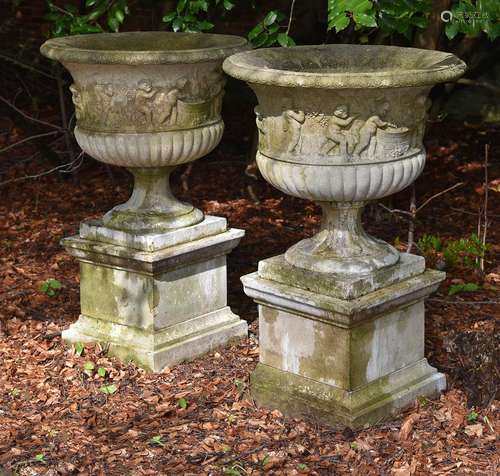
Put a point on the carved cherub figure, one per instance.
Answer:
(292, 122)
(367, 131)
(335, 133)
(144, 98)
(169, 107)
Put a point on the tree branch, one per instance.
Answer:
(27, 139)
(30, 118)
(290, 18)
(437, 195)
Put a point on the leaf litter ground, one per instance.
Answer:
(60, 414)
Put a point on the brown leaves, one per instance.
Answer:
(407, 426)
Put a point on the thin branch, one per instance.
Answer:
(26, 66)
(395, 210)
(27, 139)
(481, 84)
(30, 118)
(446, 301)
(485, 207)
(292, 6)
(63, 168)
(459, 184)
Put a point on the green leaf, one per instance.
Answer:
(113, 23)
(339, 22)
(364, 19)
(108, 389)
(157, 440)
(228, 5)
(78, 347)
(204, 25)
(40, 458)
(90, 3)
(120, 16)
(181, 5)
(169, 18)
(101, 371)
(270, 18)
(472, 416)
(255, 31)
(55, 284)
(182, 403)
(178, 24)
(264, 460)
(463, 288)
(89, 366)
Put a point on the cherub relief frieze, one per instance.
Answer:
(187, 102)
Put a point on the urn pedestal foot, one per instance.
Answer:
(160, 303)
(342, 246)
(347, 354)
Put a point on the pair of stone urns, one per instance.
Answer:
(341, 314)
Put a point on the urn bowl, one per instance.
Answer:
(148, 101)
(342, 125)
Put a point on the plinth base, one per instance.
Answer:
(156, 308)
(342, 361)
(297, 396)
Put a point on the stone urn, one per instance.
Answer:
(341, 313)
(153, 275)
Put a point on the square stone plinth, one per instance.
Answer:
(156, 308)
(343, 362)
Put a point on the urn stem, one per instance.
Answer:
(152, 207)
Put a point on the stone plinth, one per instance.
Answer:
(342, 361)
(155, 299)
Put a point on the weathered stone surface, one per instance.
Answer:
(336, 285)
(156, 308)
(349, 362)
(298, 396)
(95, 230)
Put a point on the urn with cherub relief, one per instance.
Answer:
(341, 313)
(153, 269)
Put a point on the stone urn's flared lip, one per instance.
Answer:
(344, 66)
(143, 47)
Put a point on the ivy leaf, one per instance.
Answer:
(101, 371)
(182, 402)
(339, 22)
(364, 19)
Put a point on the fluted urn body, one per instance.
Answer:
(147, 101)
(342, 125)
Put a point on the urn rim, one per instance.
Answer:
(344, 66)
(143, 48)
